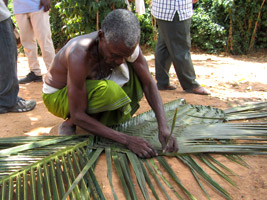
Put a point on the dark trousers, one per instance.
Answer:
(9, 86)
(173, 46)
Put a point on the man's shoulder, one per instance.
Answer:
(82, 41)
(92, 35)
(79, 49)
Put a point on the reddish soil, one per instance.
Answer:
(233, 80)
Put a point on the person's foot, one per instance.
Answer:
(31, 77)
(167, 87)
(199, 90)
(66, 129)
(3, 110)
(21, 106)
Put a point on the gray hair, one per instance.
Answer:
(121, 25)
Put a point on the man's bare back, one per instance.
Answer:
(84, 47)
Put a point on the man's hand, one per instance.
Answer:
(172, 143)
(6, 2)
(46, 4)
(141, 147)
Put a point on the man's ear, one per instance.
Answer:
(100, 35)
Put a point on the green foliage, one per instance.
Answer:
(206, 33)
(71, 18)
(80, 16)
(229, 24)
(147, 32)
(245, 14)
(217, 25)
(57, 23)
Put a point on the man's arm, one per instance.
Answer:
(154, 100)
(77, 95)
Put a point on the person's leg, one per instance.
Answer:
(105, 97)
(8, 66)
(177, 38)
(162, 61)
(9, 100)
(42, 32)
(28, 41)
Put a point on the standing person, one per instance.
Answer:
(33, 21)
(97, 80)
(9, 87)
(174, 43)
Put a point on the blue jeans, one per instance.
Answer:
(9, 86)
(173, 46)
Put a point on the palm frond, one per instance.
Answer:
(224, 138)
(54, 167)
(153, 173)
(192, 164)
(251, 111)
(49, 176)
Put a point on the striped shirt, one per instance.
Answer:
(166, 9)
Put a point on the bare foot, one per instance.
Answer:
(66, 129)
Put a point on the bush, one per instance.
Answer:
(217, 25)
(207, 34)
(59, 37)
(70, 18)
(238, 19)
(148, 30)
(78, 17)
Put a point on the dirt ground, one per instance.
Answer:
(233, 80)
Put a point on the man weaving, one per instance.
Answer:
(96, 81)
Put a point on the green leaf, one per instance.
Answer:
(167, 167)
(32, 145)
(165, 179)
(157, 179)
(135, 162)
(109, 166)
(120, 175)
(194, 165)
(149, 181)
(83, 172)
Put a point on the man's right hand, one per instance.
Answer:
(46, 4)
(141, 147)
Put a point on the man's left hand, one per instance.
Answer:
(46, 4)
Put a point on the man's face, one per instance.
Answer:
(115, 55)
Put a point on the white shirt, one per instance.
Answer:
(120, 74)
(26, 6)
(166, 9)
